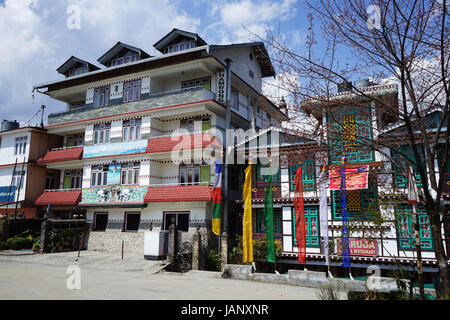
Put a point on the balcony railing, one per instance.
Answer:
(152, 101)
(259, 189)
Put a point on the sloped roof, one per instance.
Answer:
(72, 61)
(61, 155)
(179, 193)
(261, 54)
(117, 48)
(68, 198)
(164, 41)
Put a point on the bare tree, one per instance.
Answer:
(404, 41)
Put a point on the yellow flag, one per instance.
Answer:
(247, 241)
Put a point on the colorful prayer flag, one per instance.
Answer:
(217, 199)
(247, 239)
(356, 177)
(323, 211)
(299, 216)
(345, 245)
(268, 220)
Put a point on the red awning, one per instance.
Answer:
(193, 141)
(62, 155)
(179, 193)
(67, 198)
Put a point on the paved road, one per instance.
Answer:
(104, 276)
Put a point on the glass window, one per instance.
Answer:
(311, 224)
(234, 99)
(131, 130)
(132, 91)
(101, 133)
(181, 220)
(101, 97)
(129, 173)
(99, 176)
(131, 223)
(20, 145)
(189, 174)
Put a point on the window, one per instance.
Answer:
(234, 99)
(406, 229)
(131, 130)
(276, 222)
(76, 139)
(129, 173)
(400, 165)
(99, 176)
(183, 45)
(349, 129)
(187, 124)
(132, 91)
(201, 82)
(308, 175)
(77, 70)
(131, 223)
(50, 181)
(311, 225)
(100, 221)
(190, 174)
(73, 179)
(101, 133)
(128, 57)
(251, 74)
(358, 202)
(181, 219)
(101, 97)
(20, 145)
(18, 178)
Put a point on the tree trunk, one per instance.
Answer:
(439, 251)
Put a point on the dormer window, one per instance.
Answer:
(76, 71)
(125, 59)
(183, 45)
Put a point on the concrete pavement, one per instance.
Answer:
(106, 276)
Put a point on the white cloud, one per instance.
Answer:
(35, 41)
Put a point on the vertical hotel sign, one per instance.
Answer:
(221, 87)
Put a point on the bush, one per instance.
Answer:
(36, 245)
(330, 290)
(19, 242)
(259, 250)
(213, 260)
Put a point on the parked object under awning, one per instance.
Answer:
(68, 198)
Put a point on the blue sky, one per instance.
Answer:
(35, 39)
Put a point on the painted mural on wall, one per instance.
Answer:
(118, 148)
(114, 174)
(113, 193)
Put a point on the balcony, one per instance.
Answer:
(259, 189)
(152, 101)
(62, 154)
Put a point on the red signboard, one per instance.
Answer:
(359, 247)
(355, 177)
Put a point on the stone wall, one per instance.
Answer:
(111, 241)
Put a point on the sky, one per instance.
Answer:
(37, 36)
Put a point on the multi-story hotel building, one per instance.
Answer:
(116, 163)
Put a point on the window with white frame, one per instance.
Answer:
(181, 219)
(99, 176)
(189, 174)
(132, 91)
(129, 173)
(73, 179)
(101, 97)
(20, 145)
(18, 178)
(102, 133)
(234, 99)
(129, 57)
(131, 130)
(203, 82)
(187, 124)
